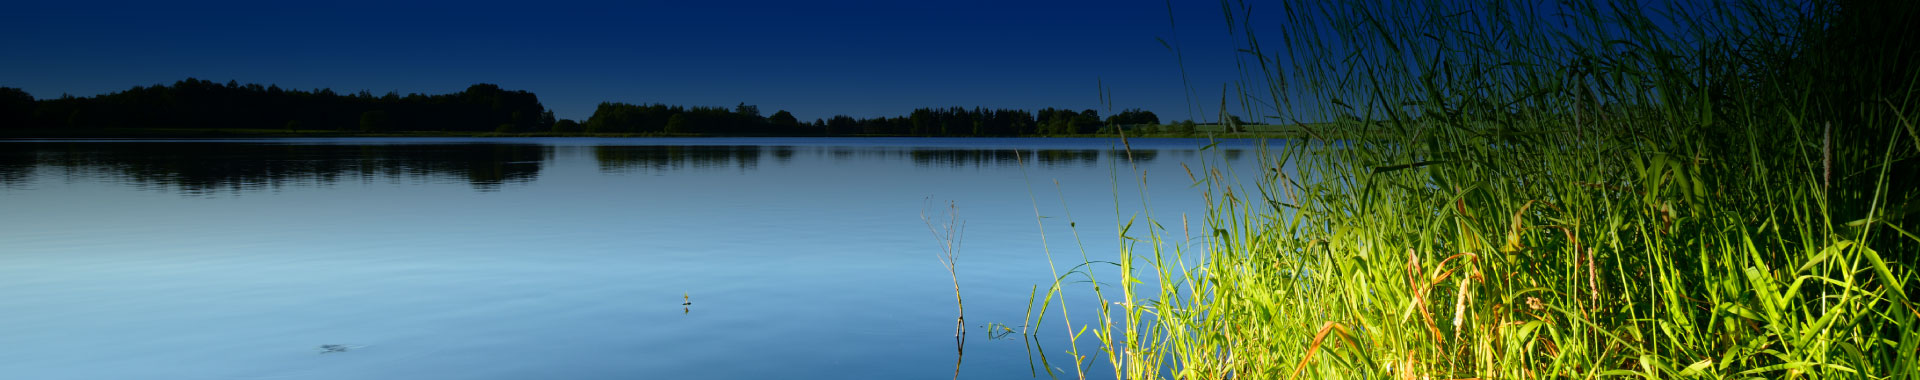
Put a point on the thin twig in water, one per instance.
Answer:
(948, 236)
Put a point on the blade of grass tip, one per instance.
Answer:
(1318, 339)
(1028, 321)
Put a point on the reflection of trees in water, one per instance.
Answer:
(1006, 157)
(486, 166)
(783, 153)
(1053, 157)
(962, 157)
(842, 154)
(16, 165)
(210, 167)
(205, 168)
(1140, 156)
(616, 159)
(1189, 154)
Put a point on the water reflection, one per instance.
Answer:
(406, 258)
(15, 168)
(622, 159)
(783, 153)
(1049, 158)
(1084, 157)
(963, 157)
(1141, 156)
(235, 167)
(217, 167)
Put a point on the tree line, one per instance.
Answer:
(202, 104)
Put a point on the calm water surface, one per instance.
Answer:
(553, 258)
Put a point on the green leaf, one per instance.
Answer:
(1697, 368)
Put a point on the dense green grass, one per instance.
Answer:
(1599, 196)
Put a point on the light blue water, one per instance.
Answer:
(553, 258)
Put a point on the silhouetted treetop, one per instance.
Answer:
(196, 103)
(201, 104)
(16, 108)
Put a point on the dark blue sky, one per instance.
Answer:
(814, 58)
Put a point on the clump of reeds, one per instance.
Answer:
(1575, 189)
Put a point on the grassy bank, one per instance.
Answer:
(1601, 196)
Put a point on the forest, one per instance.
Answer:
(203, 104)
(198, 104)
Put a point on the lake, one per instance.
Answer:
(560, 258)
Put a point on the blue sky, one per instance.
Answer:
(816, 58)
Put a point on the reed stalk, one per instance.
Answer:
(1569, 189)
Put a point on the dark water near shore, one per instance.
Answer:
(553, 258)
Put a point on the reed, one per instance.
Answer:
(1575, 189)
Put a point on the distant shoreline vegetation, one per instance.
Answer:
(203, 108)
